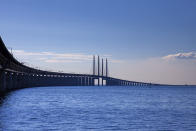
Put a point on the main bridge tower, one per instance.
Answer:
(102, 72)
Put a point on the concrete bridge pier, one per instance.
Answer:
(119, 82)
(49, 79)
(59, 80)
(78, 81)
(75, 80)
(93, 81)
(31, 80)
(36, 80)
(8, 81)
(11, 81)
(15, 82)
(3, 82)
(23, 80)
(133, 83)
(90, 81)
(40, 80)
(18, 80)
(98, 83)
(83, 81)
(108, 83)
(45, 82)
(26, 80)
(86, 81)
(105, 81)
(68, 81)
(124, 83)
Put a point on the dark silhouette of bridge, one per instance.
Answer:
(16, 75)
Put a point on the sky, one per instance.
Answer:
(144, 40)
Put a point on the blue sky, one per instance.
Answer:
(126, 30)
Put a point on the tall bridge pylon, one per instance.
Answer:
(102, 72)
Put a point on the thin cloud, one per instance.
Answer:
(60, 61)
(52, 57)
(189, 55)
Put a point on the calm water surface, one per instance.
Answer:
(99, 108)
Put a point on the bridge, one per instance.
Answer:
(15, 75)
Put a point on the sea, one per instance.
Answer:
(99, 108)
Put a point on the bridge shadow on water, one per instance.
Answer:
(3, 97)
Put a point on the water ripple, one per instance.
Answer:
(98, 108)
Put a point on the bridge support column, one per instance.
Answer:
(30, 83)
(83, 81)
(25, 79)
(2, 82)
(80, 78)
(78, 81)
(86, 81)
(14, 79)
(35, 80)
(92, 82)
(89, 81)
(9, 81)
(22, 80)
(106, 81)
(98, 82)
(38, 80)
(73, 80)
(19, 81)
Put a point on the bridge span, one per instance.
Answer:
(16, 75)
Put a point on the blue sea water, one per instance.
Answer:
(159, 108)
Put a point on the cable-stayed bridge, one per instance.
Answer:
(16, 75)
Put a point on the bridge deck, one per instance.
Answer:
(14, 75)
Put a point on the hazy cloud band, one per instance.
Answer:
(189, 55)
